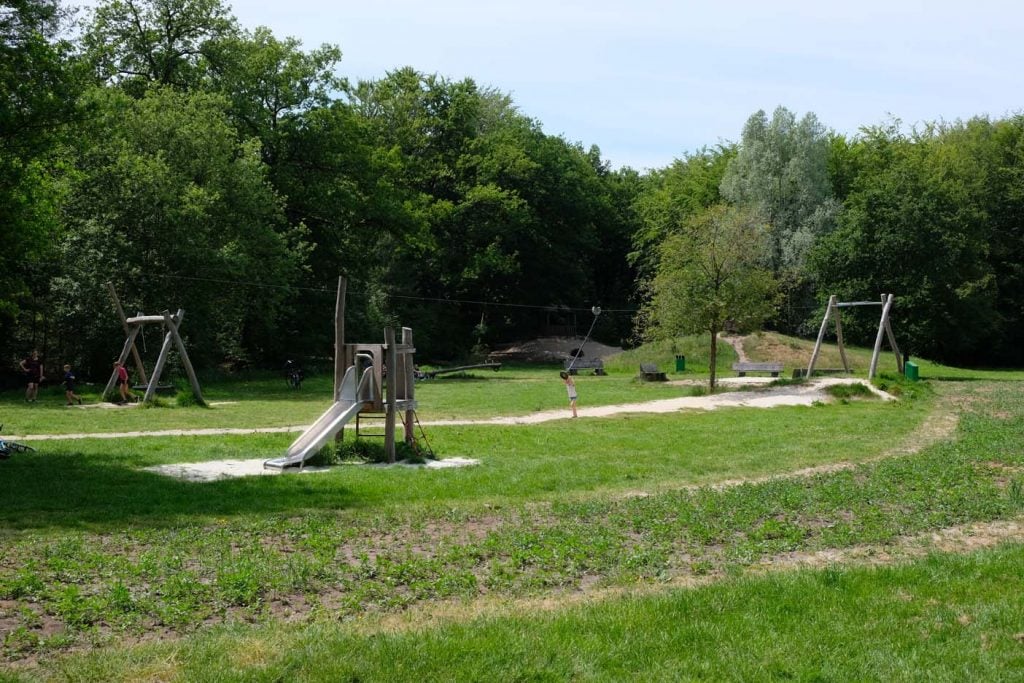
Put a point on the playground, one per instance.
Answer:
(661, 497)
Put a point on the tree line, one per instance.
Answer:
(192, 162)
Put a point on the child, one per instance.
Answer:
(69, 386)
(122, 382)
(570, 386)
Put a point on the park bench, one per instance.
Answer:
(745, 367)
(595, 364)
(649, 373)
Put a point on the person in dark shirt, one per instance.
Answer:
(32, 366)
(69, 387)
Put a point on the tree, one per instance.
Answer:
(781, 171)
(136, 43)
(710, 272)
(173, 208)
(39, 83)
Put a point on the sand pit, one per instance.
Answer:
(216, 470)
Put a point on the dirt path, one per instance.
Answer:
(794, 395)
(737, 344)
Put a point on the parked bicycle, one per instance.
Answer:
(293, 374)
(9, 448)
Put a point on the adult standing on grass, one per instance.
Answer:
(570, 386)
(32, 366)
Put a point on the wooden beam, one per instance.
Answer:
(839, 340)
(139, 367)
(340, 361)
(129, 343)
(878, 338)
(160, 362)
(389, 415)
(892, 342)
(409, 390)
(173, 324)
(821, 335)
(848, 304)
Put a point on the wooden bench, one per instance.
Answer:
(649, 373)
(744, 368)
(595, 364)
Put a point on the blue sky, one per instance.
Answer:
(648, 81)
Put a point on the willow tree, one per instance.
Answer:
(712, 272)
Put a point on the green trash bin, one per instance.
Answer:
(910, 371)
(680, 363)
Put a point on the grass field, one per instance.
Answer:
(629, 547)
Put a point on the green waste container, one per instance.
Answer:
(910, 371)
(680, 363)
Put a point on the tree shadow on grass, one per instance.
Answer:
(67, 490)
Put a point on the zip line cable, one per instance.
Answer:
(408, 297)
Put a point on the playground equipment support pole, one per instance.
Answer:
(878, 337)
(340, 361)
(391, 353)
(409, 390)
(139, 367)
(821, 336)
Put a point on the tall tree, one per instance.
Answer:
(711, 271)
(136, 43)
(39, 83)
(173, 208)
(781, 171)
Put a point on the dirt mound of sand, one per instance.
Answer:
(551, 350)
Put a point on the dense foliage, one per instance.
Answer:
(199, 164)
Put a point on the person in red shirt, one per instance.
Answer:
(32, 366)
(122, 382)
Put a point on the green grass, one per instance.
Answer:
(941, 618)
(95, 552)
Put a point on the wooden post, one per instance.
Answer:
(139, 367)
(839, 341)
(821, 335)
(160, 362)
(339, 338)
(892, 340)
(390, 408)
(129, 343)
(172, 325)
(878, 337)
(409, 390)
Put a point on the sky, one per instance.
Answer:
(649, 81)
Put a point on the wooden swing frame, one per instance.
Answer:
(884, 329)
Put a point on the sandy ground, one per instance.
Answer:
(795, 395)
(215, 470)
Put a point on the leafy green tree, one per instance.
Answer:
(39, 83)
(711, 271)
(916, 224)
(781, 171)
(136, 43)
(173, 208)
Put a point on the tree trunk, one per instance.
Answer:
(714, 357)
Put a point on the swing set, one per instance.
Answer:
(884, 329)
(132, 327)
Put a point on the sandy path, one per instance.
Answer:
(795, 395)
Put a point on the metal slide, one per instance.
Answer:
(353, 396)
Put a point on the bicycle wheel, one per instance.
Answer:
(20, 448)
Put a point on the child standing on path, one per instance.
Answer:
(570, 386)
(69, 386)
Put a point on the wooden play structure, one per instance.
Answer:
(372, 383)
(132, 327)
(884, 329)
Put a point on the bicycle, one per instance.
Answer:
(9, 448)
(293, 374)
